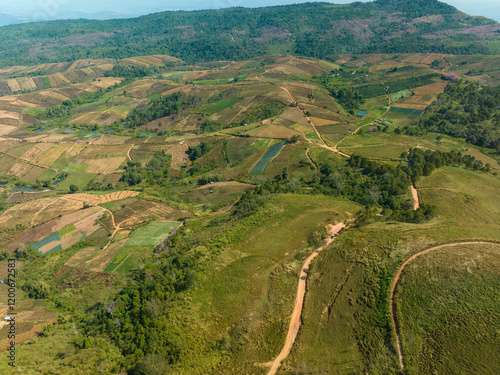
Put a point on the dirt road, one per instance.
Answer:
(128, 152)
(299, 303)
(387, 109)
(414, 194)
(323, 143)
(310, 160)
(395, 284)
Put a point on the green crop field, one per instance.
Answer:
(406, 111)
(269, 155)
(129, 258)
(67, 230)
(80, 179)
(153, 233)
(219, 106)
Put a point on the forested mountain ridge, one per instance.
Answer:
(310, 29)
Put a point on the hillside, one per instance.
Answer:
(311, 29)
(162, 214)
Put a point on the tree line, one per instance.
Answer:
(465, 110)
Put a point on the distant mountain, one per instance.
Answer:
(11, 19)
(6, 19)
(94, 16)
(310, 29)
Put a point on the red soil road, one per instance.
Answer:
(299, 303)
(414, 194)
(396, 282)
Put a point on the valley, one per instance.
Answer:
(161, 211)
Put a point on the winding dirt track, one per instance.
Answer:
(395, 284)
(310, 160)
(299, 303)
(414, 193)
(130, 149)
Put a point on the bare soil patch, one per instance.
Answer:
(320, 112)
(6, 129)
(42, 231)
(19, 169)
(432, 89)
(322, 121)
(102, 198)
(37, 211)
(179, 154)
(10, 115)
(277, 131)
(107, 165)
(139, 210)
(35, 152)
(295, 114)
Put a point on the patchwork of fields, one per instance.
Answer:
(220, 178)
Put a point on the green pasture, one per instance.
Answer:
(467, 209)
(381, 145)
(448, 307)
(220, 105)
(67, 229)
(153, 233)
(129, 258)
(80, 179)
(253, 283)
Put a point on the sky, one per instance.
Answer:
(55, 9)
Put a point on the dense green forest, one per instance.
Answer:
(466, 110)
(310, 29)
(161, 106)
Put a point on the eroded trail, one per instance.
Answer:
(117, 228)
(299, 303)
(414, 194)
(396, 282)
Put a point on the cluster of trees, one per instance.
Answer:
(156, 172)
(196, 152)
(422, 163)
(133, 173)
(263, 112)
(409, 83)
(138, 319)
(367, 182)
(160, 106)
(371, 91)
(348, 97)
(64, 109)
(202, 168)
(130, 72)
(466, 110)
(359, 179)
